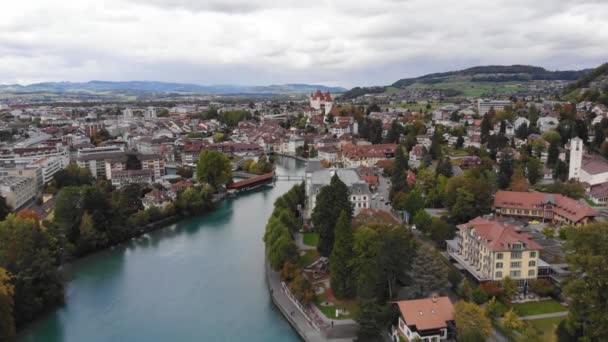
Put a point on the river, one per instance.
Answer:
(199, 280)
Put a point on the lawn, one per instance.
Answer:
(308, 258)
(537, 308)
(548, 327)
(311, 239)
(330, 311)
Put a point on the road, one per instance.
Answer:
(381, 196)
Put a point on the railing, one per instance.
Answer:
(316, 323)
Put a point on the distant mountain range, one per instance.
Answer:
(164, 87)
(474, 80)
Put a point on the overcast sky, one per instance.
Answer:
(332, 42)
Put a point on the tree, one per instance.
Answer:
(444, 167)
(486, 127)
(185, 172)
(25, 253)
(464, 208)
(429, 274)
(553, 154)
(505, 170)
(423, 221)
(542, 287)
(495, 309)
(342, 259)
(5, 209)
(214, 168)
(370, 321)
(472, 324)
(459, 142)
(587, 256)
(399, 173)
(512, 321)
(522, 131)
(441, 231)
(7, 322)
(331, 199)
(535, 170)
(519, 182)
(509, 289)
(560, 171)
(301, 288)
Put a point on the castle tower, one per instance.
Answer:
(576, 158)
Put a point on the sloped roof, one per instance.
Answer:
(427, 313)
(499, 236)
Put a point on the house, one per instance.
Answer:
(556, 208)
(156, 198)
(521, 121)
(293, 144)
(318, 177)
(547, 123)
(470, 162)
(329, 153)
(321, 101)
(426, 319)
(490, 250)
(484, 106)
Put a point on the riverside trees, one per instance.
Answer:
(331, 201)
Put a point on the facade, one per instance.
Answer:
(123, 178)
(576, 158)
(154, 163)
(427, 319)
(17, 190)
(483, 106)
(318, 177)
(321, 101)
(490, 250)
(555, 208)
(367, 155)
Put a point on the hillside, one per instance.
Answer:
(475, 81)
(593, 86)
(163, 87)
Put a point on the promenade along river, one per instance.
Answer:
(199, 280)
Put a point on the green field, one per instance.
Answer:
(311, 239)
(537, 308)
(330, 311)
(548, 326)
(308, 258)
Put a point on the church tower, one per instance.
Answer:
(576, 158)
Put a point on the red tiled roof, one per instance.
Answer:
(368, 151)
(427, 313)
(564, 206)
(499, 236)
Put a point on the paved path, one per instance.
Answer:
(547, 315)
(295, 317)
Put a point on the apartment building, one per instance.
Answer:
(483, 106)
(17, 190)
(490, 250)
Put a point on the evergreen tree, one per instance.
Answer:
(534, 170)
(486, 127)
(399, 175)
(553, 153)
(429, 275)
(505, 170)
(342, 259)
(444, 167)
(522, 131)
(331, 199)
(460, 142)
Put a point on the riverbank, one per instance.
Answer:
(298, 319)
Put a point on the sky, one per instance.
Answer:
(260, 42)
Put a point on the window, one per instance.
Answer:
(531, 273)
(499, 265)
(516, 254)
(515, 264)
(532, 263)
(498, 274)
(515, 274)
(532, 254)
(498, 255)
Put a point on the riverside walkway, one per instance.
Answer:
(297, 319)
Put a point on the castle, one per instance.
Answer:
(320, 101)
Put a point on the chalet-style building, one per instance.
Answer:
(556, 208)
(428, 319)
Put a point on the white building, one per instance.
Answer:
(426, 319)
(127, 114)
(17, 190)
(317, 177)
(576, 158)
(321, 101)
(483, 106)
(150, 113)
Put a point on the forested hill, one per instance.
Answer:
(496, 73)
(476, 76)
(593, 86)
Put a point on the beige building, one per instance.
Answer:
(17, 191)
(491, 250)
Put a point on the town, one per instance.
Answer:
(419, 215)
